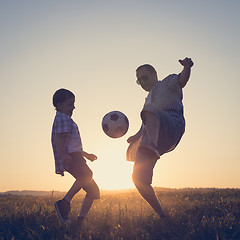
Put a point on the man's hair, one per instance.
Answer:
(149, 67)
(61, 95)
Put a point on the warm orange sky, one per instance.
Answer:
(93, 49)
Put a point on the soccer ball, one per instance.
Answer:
(115, 124)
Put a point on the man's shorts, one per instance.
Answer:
(170, 133)
(81, 172)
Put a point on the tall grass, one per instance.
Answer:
(193, 214)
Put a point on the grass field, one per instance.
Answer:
(193, 214)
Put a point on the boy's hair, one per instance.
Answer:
(149, 67)
(61, 95)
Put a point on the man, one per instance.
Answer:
(162, 128)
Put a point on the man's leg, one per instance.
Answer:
(142, 178)
(152, 125)
(149, 195)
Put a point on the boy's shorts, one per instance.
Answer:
(170, 133)
(81, 172)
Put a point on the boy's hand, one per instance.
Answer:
(187, 62)
(89, 156)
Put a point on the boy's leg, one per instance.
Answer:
(76, 187)
(63, 206)
(83, 175)
(86, 206)
(81, 172)
(92, 194)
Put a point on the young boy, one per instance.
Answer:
(162, 128)
(69, 156)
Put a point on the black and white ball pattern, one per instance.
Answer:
(115, 124)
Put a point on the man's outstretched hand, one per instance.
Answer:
(187, 62)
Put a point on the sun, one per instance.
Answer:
(111, 171)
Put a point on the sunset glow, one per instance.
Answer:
(93, 48)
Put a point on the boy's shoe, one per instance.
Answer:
(149, 148)
(63, 208)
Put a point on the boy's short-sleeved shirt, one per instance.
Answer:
(63, 123)
(167, 95)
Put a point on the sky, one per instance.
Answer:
(93, 49)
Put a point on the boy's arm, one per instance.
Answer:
(60, 141)
(187, 63)
(89, 156)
